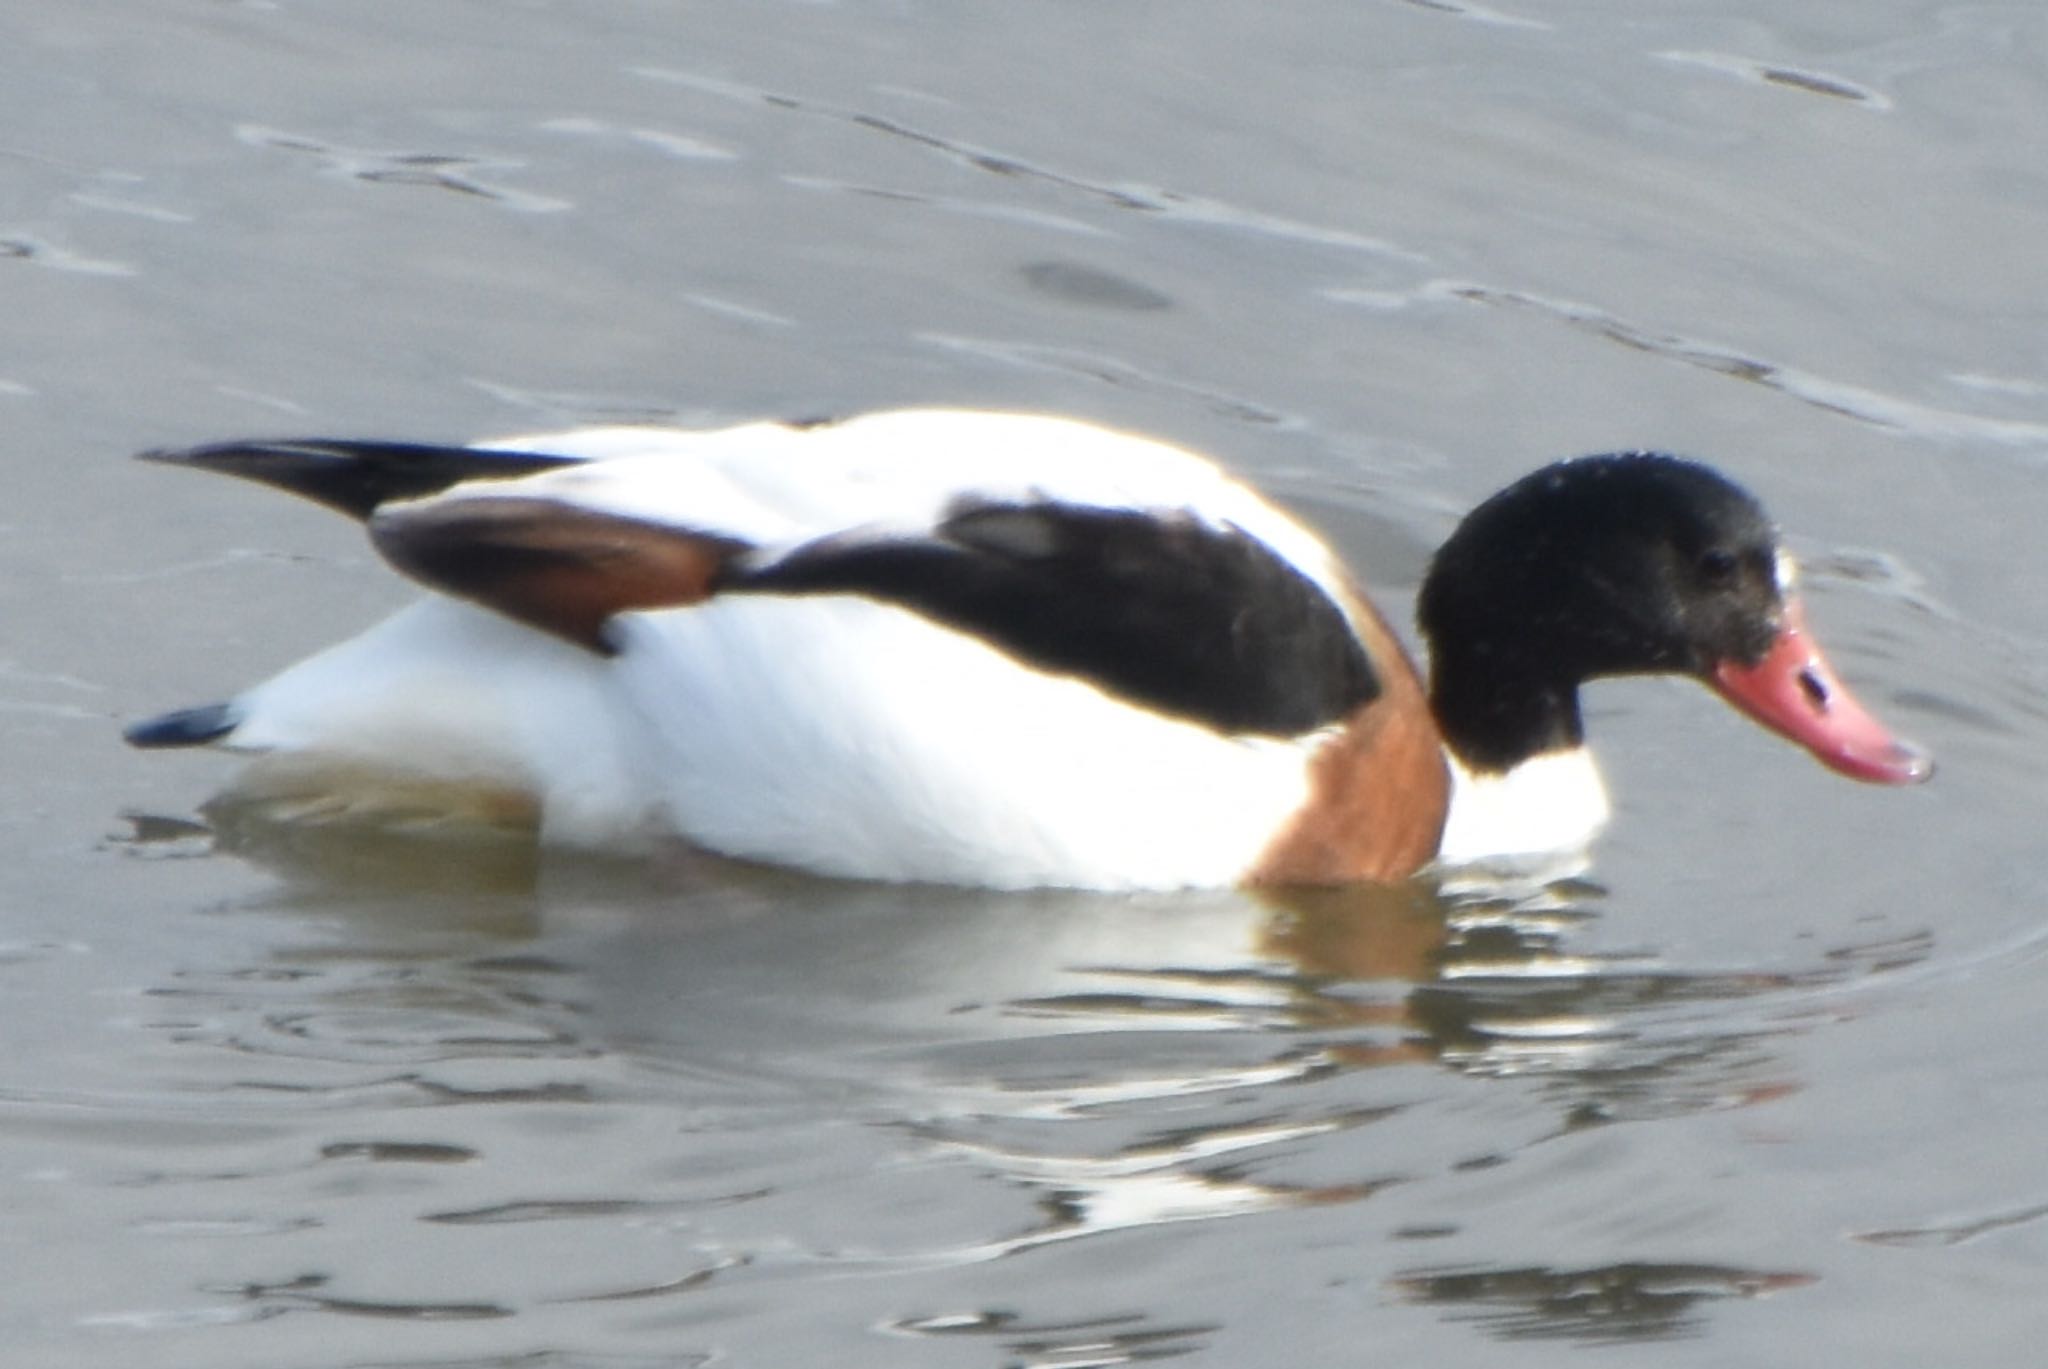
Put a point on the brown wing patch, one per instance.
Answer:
(1378, 788)
(550, 565)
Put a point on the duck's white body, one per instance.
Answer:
(833, 732)
(797, 732)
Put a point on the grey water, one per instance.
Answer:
(1763, 1088)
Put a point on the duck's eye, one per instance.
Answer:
(1717, 567)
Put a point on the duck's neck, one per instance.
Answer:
(1522, 782)
(1497, 712)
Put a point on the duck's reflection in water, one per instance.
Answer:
(1615, 1303)
(1127, 1063)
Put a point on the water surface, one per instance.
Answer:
(1762, 1088)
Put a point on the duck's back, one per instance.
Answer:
(988, 649)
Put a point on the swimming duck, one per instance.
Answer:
(1011, 650)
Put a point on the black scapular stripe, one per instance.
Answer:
(354, 477)
(1194, 621)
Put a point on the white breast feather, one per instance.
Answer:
(1549, 805)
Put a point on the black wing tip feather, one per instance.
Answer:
(184, 727)
(352, 475)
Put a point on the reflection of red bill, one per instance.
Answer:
(1793, 692)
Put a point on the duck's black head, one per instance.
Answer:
(1627, 564)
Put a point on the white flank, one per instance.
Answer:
(832, 734)
(447, 692)
(855, 738)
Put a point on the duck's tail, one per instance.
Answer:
(184, 727)
(353, 477)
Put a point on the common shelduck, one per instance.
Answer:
(1010, 651)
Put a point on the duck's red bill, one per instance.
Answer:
(1794, 692)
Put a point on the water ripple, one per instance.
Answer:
(1167, 204)
(305, 1294)
(1093, 1343)
(1955, 1233)
(1777, 74)
(40, 251)
(438, 170)
(1838, 397)
(1112, 371)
